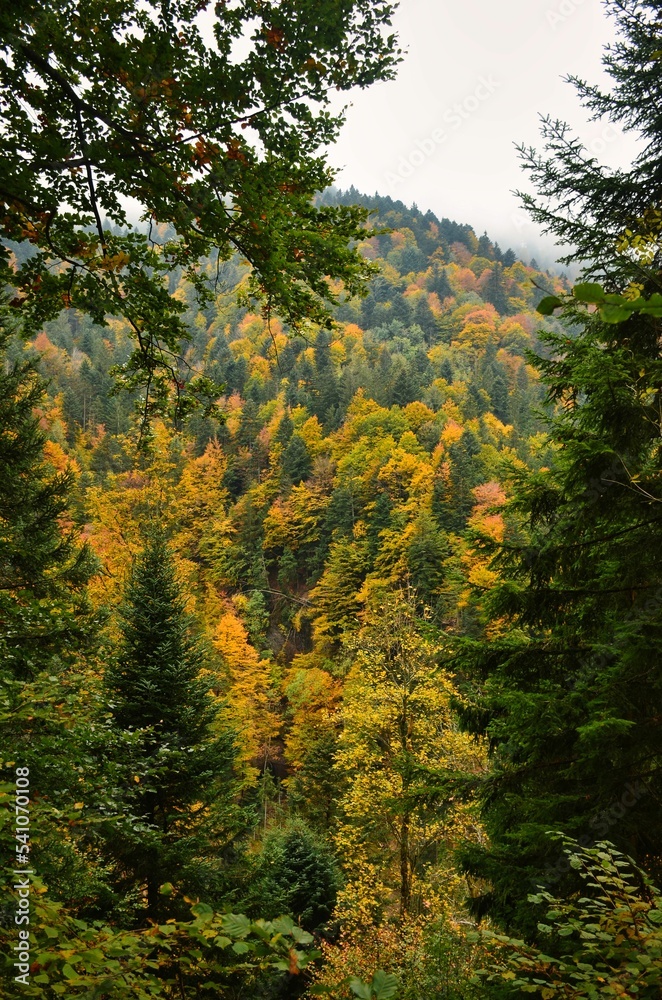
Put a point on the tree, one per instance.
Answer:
(174, 769)
(295, 874)
(297, 464)
(494, 289)
(567, 688)
(588, 206)
(424, 317)
(397, 725)
(452, 496)
(439, 283)
(43, 570)
(103, 102)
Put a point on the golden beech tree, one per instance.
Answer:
(252, 698)
(394, 836)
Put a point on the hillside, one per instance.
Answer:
(375, 435)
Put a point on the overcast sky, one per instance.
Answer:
(475, 78)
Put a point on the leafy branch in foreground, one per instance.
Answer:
(108, 103)
(78, 958)
(604, 943)
(612, 307)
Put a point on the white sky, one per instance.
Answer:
(502, 63)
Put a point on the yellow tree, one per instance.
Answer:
(252, 698)
(398, 729)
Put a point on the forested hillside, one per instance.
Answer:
(330, 596)
(328, 511)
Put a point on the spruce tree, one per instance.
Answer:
(494, 290)
(569, 690)
(176, 773)
(46, 627)
(297, 464)
(589, 206)
(43, 571)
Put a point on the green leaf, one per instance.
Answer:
(166, 889)
(615, 314)
(589, 291)
(283, 925)
(240, 947)
(301, 936)
(360, 989)
(69, 973)
(547, 305)
(384, 985)
(203, 912)
(236, 925)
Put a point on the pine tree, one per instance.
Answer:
(494, 290)
(46, 629)
(172, 767)
(295, 873)
(401, 309)
(589, 206)
(424, 317)
(569, 689)
(43, 571)
(439, 283)
(285, 429)
(297, 464)
(485, 248)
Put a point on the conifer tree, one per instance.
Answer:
(569, 691)
(297, 464)
(174, 769)
(42, 570)
(588, 206)
(495, 290)
(46, 626)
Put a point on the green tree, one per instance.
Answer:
(587, 205)
(46, 631)
(177, 773)
(296, 464)
(43, 570)
(108, 101)
(494, 289)
(295, 874)
(569, 691)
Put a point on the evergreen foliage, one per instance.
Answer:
(567, 688)
(297, 874)
(43, 569)
(173, 767)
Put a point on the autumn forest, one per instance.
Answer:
(330, 600)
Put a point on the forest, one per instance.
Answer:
(330, 601)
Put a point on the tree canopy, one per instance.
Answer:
(208, 120)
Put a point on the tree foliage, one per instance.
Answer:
(209, 118)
